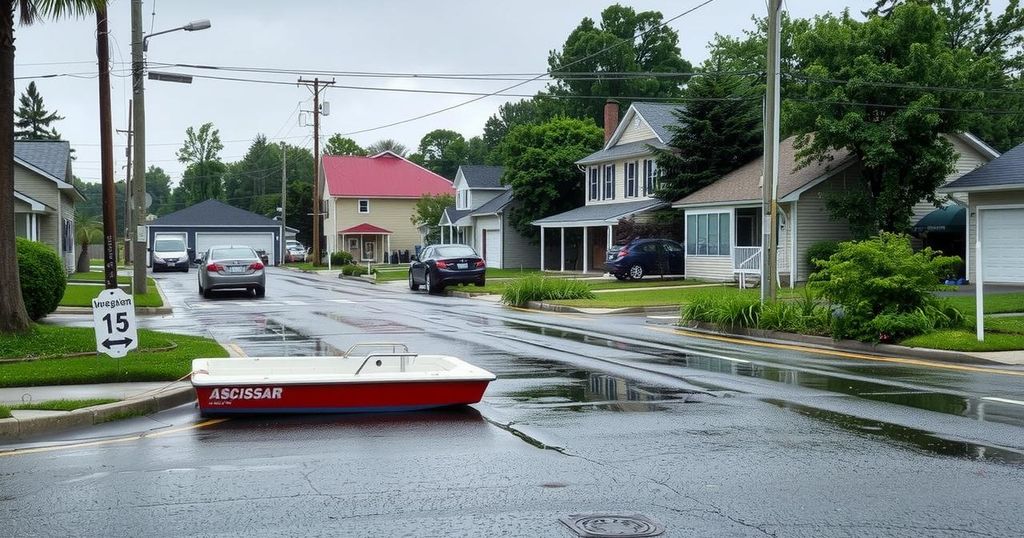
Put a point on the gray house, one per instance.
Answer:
(44, 196)
(213, 223)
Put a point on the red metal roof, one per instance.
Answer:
(365, 228)
(385, 175)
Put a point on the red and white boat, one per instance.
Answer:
(377, 382)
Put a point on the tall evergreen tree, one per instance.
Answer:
(33, 120)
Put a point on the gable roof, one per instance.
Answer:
(494, 205)
(384, 175)
(213, 213)
(451, 215)
(365, 228)
(657, 115)
(1003, 172)
(632, 149)
(50, 157)
(744, 183)
(480, 176)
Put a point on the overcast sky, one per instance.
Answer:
(393, 36)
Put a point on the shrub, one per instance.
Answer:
(42, 277)
(821, 251)
(539, 288)
(356, 270)
(880, 276)
(894, 327)
(341, 258)
(727, 309)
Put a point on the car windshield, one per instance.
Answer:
(453, 251)
(169, 245)
(243, 253)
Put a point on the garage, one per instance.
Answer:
(1002, 248)
(212, 222)
(258, 241)
(492, 248)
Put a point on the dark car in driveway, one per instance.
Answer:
(642, 257)
(438, 266)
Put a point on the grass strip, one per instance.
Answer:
(5, 412)
(83, 294)
(98, 276)
(995, 303)
(64, 405)
(966, 340)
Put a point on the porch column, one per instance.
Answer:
(542, 230)
(586, 249)
(389, 249)
(562, 251)
(609, 245)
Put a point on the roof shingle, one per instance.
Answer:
(480, 176)
(213, 213)
(50, 156)
(1007, 170)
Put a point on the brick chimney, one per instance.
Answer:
(611, 118)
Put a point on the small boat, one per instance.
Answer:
(376, 382)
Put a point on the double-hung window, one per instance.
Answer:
(594, 184)
(631, 180)
(708, 234)
(364, 206)
(650, 177)
(609, 182)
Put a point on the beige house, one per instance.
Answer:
(369, 203)
(44, 196)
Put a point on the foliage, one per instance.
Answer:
(340, 145)
(42, 277)
(822, 250)
(33, 120)
(341, 257)
(82, 295)
(88, 230)
(726, 309)
(476, 151)
(879, 276)
(539, 167)
(628, 42)
(667, 224)
(158, 185)
(387, 144)
(428, 211)
(738, 310)
(442, 151)
(202, 179)
(64, 405)
(511, 115)
(716, 132)
(540, 288)
(356, 270)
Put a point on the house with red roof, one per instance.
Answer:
(369, 201)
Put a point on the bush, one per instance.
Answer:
(341, 258)
(894, 327)
(538, 288)
(821, 251)
(727, 309)
(42, 277)
(356, 270)
(882, 276)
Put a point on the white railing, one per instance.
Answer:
(748, 259)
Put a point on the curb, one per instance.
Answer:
(650, 310)
(14, 428)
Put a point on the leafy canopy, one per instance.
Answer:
(340, 145)
(442, 151)
(428, 211)
(33, 120)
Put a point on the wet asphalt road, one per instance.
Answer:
(602, 415)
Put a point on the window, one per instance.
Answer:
(67, 240)
(364, 206)
(609, 182)
(593, 189)
(650, 177)
(631, 181)
(707, 234)
(462, 199)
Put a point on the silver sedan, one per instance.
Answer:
(231, 267)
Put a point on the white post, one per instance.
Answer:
(542, 230)
(585, 250)
(562, 251)
(609, 241)
(329, 251)
(979, 298)
(389, 249)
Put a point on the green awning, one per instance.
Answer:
(951, 219)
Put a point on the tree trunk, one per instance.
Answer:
(13, 316)
(82, 266)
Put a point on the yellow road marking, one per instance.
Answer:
(112, 441)
(234, 347)
(843, 354)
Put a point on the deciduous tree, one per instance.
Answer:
(340, 145)
(428, 211)
(442, 151)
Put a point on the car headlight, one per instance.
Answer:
(158, 259)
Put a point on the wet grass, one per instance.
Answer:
(97, 276)
(64, 405)
(669, 297)
(83, 294)
(966, 340)
(56, 343)
(995, 303)
(5, 412)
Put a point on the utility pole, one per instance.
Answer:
(127, 189)
(106, 153)
(316, 83)
(138, 230)
(770, 177)
(284, 200)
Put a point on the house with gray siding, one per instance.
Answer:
(723, 221)
(45, 196)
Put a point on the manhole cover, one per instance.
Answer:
(618, 525)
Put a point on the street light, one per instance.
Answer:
(140, 43)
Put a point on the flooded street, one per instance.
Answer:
(597, 416)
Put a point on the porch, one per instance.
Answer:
(365, 242)
(727, 244)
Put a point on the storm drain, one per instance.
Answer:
(618, 525)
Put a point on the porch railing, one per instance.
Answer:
(748, 259)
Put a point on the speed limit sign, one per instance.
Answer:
(113, 314)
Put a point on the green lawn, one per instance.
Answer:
(5, 412)
(642, 297)
(55, 341)
(966, 340)
(83, 294)
(64, 405)
(995, 303)
(97, 276)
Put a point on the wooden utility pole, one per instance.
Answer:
(284, 201)
(770, 175)
(138, 230)
(106, 153)
(127, 189)
(318, 85)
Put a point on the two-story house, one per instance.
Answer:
(620, 181)
(480, 218)
(44, 196)
(369, 203)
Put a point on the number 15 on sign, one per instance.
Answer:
(113, 313)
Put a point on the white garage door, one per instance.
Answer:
(1002, 246)
(264, 241)
(492, 248)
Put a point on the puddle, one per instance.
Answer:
(371, 325)
(919, 439)
(268, 338)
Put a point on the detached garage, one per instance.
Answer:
(213, 222)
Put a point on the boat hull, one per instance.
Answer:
(348, 397)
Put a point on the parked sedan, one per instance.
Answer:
(645, 256)
(295, 253)
(440, 265)
(231, 267)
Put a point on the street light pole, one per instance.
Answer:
(138, 231)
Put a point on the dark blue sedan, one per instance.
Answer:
(645, 257)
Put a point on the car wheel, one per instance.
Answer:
(636, 272)
(412, 282)
(207, 293)
(480, 283)
(185, 270)
(201, 289)
(261, 292)
(426, 283)
(620, 276)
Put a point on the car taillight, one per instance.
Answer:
(441, 264)
(255, 266)
(480, 263)
(623, 252)
(214, 267)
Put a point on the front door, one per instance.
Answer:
(353, 247)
